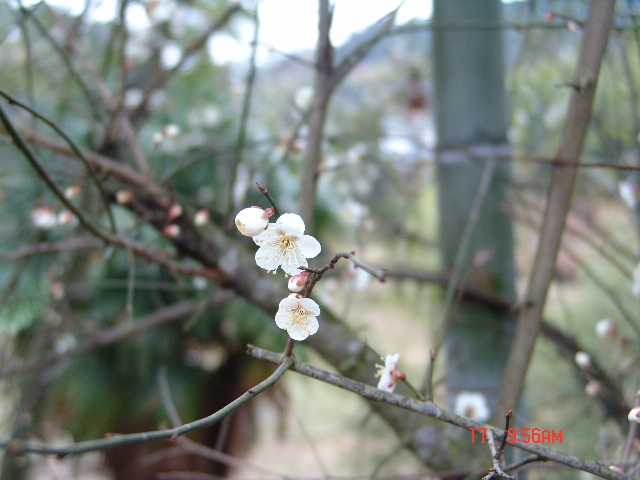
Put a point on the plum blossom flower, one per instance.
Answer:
(606, 328)
(593, 388)
(389, 373)
(44, 217)
(253, 221)
(634, 415)
(636, 281)
(297, 316)
(582, 359)
(284, 244)
(472, 405)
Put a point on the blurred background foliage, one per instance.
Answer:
(376, 195)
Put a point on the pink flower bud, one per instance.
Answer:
(72, 191)
(174, 211)
(296, 283)
(201, 217)
(124, 196)
(65, 217)
(171, 231)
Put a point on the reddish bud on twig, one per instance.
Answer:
(262, 188)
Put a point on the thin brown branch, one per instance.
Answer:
(431, 410)
(592, 51)
(19, 447)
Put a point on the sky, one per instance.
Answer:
(286, 25)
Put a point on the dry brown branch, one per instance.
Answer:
(593, 47)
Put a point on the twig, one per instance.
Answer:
(19, 447)
(558, 201)
(431, 410)
(496, 471)
(244, 113)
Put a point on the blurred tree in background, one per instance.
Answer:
(131, 139)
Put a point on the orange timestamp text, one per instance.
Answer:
(523, 435)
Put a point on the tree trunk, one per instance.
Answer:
(471, 128)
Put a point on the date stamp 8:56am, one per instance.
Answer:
(524, 435)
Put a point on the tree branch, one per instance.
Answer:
(558, 201)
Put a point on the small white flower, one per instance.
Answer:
(297, 316)
(634, 415)
(72, 191)
(636, 281)
(252, 221)
(606, 328)
(44, 217)
(199, 283)
(171, 130)
(629, 193)
(124, 196)
(472, 405)
(201, 217)
(389, 373)
(284, 244)
(67, 217)
(593, 388)
(303, 97)
(582, 359)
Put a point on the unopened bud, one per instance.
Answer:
(582, 359)
(124, 196)
(201, 217)
(252, 221)
(66, 217)
(171, 231)
(174, 211)
(72, 191)
(296, 283)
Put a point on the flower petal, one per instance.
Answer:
(268, 258)
(298, 333)
(264, 237)
(291, 224)
(391, 362)
(310, 305)
(312, 324)
(387, 382)
(282, 318)
(308, 246)
(292, 261)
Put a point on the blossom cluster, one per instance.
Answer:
(283, 244)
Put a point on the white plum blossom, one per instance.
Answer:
(636, 281)
(634, 415)
(252, 221)
(582, 359)
(606, 328)
(472, 405)
(593, 388)
(629, 193)
(44, 217)
(284, 244)
(389, 373)
(297, 316)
